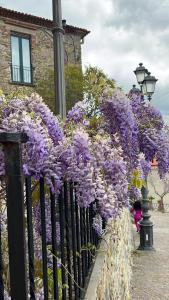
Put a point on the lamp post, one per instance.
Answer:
(140, 73)
(59, 80)
(147, 84)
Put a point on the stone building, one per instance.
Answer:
(26, 47)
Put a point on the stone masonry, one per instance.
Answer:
(40, 32)
(111, 275)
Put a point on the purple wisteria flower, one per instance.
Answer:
(100, 162)
(145, 167)
(77, 114)
(80, 167)
(98, 224)
(147, 116)
(35, 104)
(120, 119)
(135, 193)
(162, 154)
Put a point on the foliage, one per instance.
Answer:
(73, 87)
(96, 82)
(90, 85)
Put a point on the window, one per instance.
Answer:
(21, 70)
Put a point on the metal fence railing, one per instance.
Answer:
(21, 74)
(50, 242)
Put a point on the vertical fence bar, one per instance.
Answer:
(15, 213)
(68, 246)
(62, 242)
(74, 247)
(85, 239)
(92, 232)
(44, 250)
(91, 220)
(88, 236)
(1, 266)
(96, 234)
(78, 244)
(54, 246)
(81, 246)
(104, 223)
(30, 236)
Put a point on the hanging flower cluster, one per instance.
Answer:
(152, 136)
(100, 164)
(119, 118)
(103, 161)
(80, 167)
(41, 152)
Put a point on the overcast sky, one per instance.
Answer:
(123, 33)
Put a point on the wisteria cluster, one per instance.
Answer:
(140, 129)
(134, 193)
(145, 167)
(119, 118)
(97, 224)
(145, 114)
(80, 167)
(103, 162)
(111, 176)
(41, 152)
(152, 137)
(77, 113)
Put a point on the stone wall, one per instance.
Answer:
(5, 74)
(111, 276)
(42, 52)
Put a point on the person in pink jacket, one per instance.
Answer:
(137, 213)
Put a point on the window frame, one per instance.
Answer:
(21, 36)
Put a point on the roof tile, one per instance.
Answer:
(8, 13)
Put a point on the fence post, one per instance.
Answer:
(15, 213)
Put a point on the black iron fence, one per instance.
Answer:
(48, 246)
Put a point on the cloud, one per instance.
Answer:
(141, 15)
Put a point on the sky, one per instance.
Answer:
(123, 34)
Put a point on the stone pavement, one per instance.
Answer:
(151, 269)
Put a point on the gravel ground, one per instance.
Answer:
(151, 269)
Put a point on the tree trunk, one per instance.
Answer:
(151, 204)
(161, 205)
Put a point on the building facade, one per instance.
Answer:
(26, 47)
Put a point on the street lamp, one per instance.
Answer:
(145, 80)
(140, 73)
(147, 84)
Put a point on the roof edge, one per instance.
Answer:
(42, 22)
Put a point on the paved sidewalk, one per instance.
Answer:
(151, 269)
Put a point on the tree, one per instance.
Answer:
(96, 82)
(73, 87)
(161, 190)
(90, 85)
